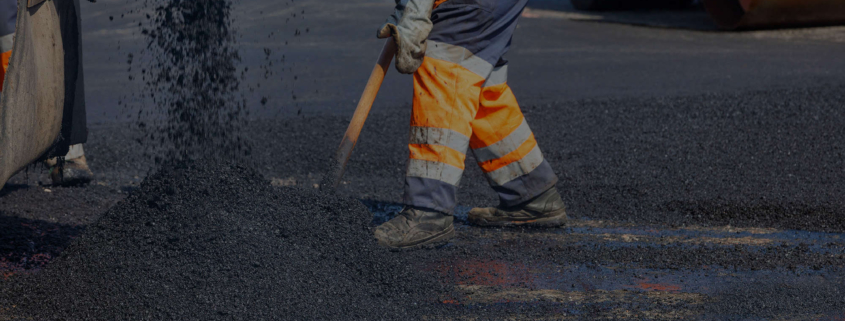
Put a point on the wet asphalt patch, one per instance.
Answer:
(614, 269)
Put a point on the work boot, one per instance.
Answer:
(415, 227)
(545, 210)
(73, 170)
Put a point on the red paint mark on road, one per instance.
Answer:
(587, 287)
(29, 263)
(489, 273)
(840, 317)
(658, 287)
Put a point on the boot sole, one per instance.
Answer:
(556, 220)
(432, 241)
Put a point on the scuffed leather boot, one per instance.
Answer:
(415, 227)
(545, 210)
(73, 170)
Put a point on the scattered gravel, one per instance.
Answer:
(210, 241)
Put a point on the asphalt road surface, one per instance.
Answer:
(703, 170)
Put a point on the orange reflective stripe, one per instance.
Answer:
(439, 2)
(497, 118)
(4, 60)
(445, 96)
(514, 156)
(437, 153)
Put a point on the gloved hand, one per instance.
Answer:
(409, 25)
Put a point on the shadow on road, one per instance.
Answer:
(27, 245)
(9, 188)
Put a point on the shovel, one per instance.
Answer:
(335, 172)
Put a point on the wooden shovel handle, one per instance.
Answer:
(335, 173)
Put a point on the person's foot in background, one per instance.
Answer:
(73, 170)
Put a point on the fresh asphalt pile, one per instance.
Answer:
(207, 241)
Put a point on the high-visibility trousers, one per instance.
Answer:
(8, 18)
(462, 100)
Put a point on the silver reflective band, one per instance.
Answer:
(458, 55)
(516, 169)
(434, 170)
(439, 136)
(7, 42)
(505, 146)
(497, 77)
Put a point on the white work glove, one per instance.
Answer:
(409, 25)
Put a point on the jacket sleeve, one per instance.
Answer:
(409, 25)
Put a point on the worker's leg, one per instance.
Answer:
(74, 168)
(74, 124)
(504, 146)
(445, 101)
(8, 18)
(507, 152)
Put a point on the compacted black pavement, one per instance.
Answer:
(726, 206)
(692, 196)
